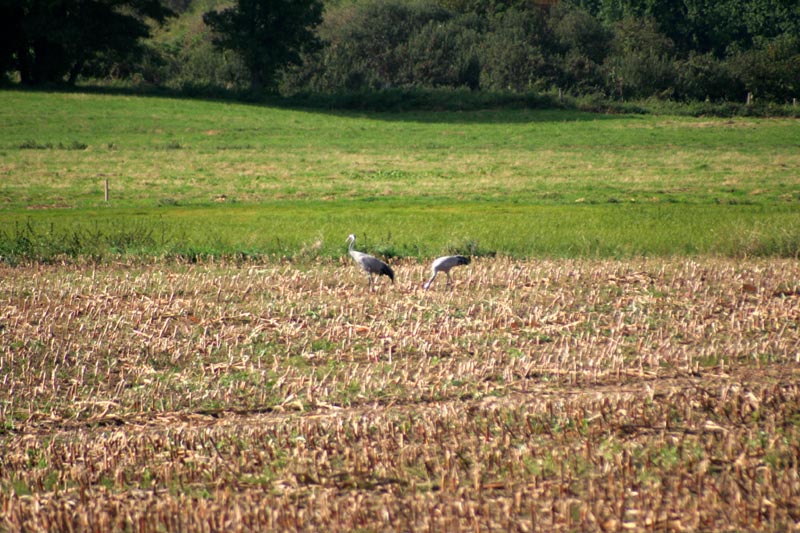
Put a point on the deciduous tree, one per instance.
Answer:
(51, 41)
(267, 34)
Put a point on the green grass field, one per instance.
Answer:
(189, 177)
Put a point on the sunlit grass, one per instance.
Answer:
(406, 229)
(222, 177)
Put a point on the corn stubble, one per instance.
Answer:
(536, 395)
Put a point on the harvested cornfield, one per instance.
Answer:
(558, 395)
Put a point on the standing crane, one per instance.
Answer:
(445, 264)
(370, 264)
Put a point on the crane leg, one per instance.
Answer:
(430, 281)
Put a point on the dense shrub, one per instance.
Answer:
(517, 53)
(641, 63)
(442, 54)
(771, 71)
(368, 44)
(704, 77)
(188, 61)
(201, 65)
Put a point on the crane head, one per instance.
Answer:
(351, 237)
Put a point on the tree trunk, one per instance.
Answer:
(256, 81)
(75, 71)
(25, 63)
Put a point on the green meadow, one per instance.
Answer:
(188, 177)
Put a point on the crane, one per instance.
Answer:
(370, 264)
(445, 264)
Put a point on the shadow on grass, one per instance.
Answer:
(456, 106)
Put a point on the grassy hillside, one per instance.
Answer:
(221, 177)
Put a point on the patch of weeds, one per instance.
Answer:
(779, 460)
(240, 376)
(166, 202)
(667, 457)
(545, 467)
(470, 248)
(394, 251)
(764, 358)
(35, 145)
(297, 361)
(262, 480)
(20, 488)
(146, 480)
(323, 345)
(30, 144)
(33, 455)
(172, 145)
(50, 481)
(392, 174)
(350, 392)
(708, 361)
(74, 145)
(211, 404)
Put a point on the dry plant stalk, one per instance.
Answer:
(536, 395)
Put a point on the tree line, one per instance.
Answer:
(689, 50)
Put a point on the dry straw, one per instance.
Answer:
(535, 395)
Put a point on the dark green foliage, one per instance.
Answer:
(641, 61)
(267, 34)
(52, 41)
(579, 32)
(517, 52)
(486, 7)
(596, 51)
(38, 241)
(716, 26)
(583, 44)
(443, 55)
(380, 44)
(406, 99)
(188, 60)
(34, 145)
(704, 77)
(771, 70)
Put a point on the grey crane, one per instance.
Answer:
(371, 265)
(445, 264)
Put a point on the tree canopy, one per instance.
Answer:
(52, 41)
(267, 34)
(711, 50)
